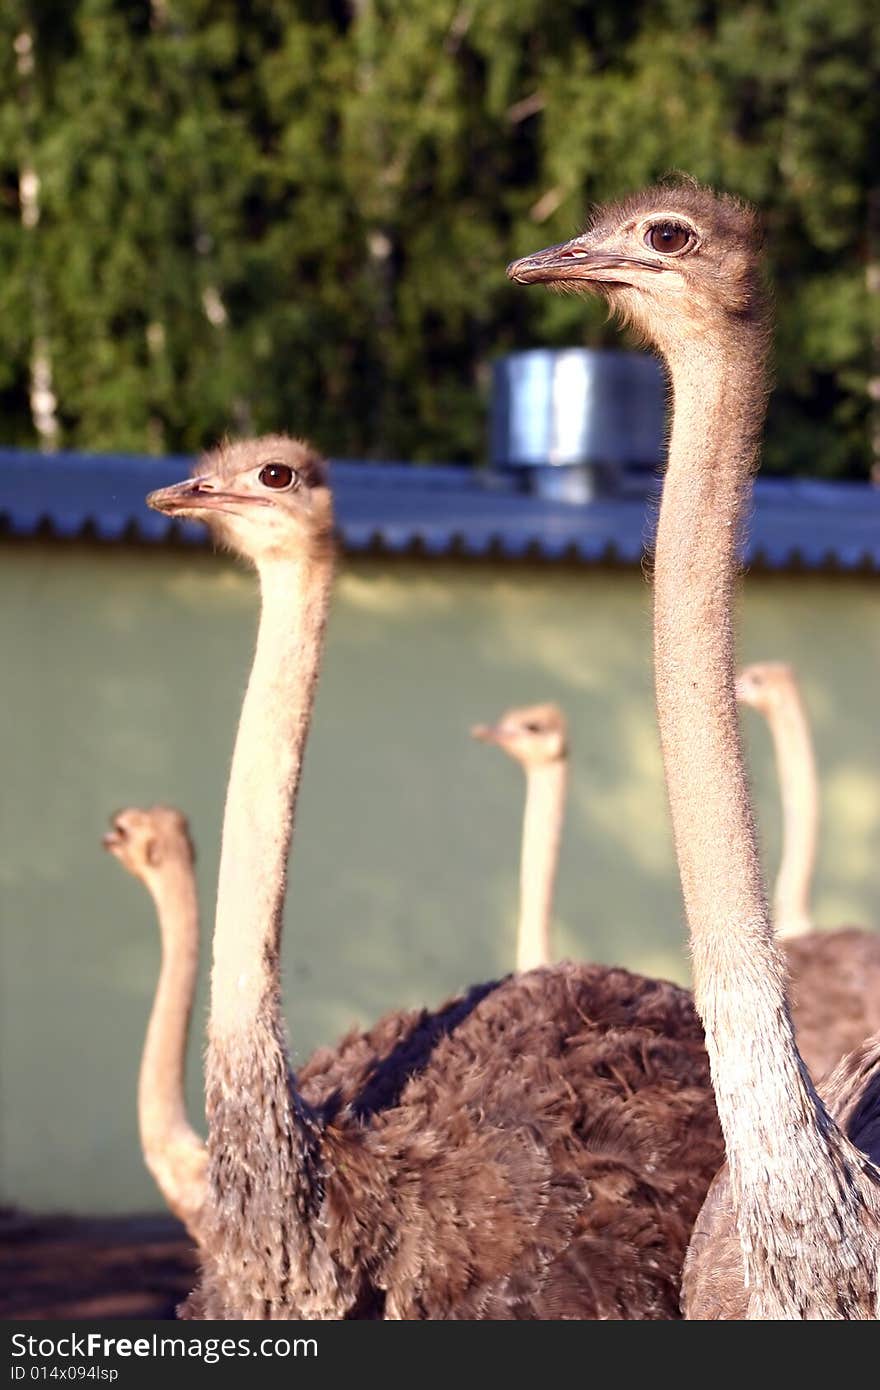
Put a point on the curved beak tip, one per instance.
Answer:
(539, 268)
(525, 270)
(156, 500)
(172, 499)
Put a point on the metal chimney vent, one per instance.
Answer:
(580, 422)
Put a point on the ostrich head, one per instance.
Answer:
(764, 685)
(264, 498)
(145, 841)
(533, 735)
(676, 261)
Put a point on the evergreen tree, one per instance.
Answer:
(274, 214)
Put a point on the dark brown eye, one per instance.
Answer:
(277, 476)
(532, 728)
(669, 237)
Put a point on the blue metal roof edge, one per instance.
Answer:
(441, 510)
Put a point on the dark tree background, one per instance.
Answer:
(245, 214)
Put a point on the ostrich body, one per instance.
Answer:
(535, 1148)
(835, 993)
(154, 845)
(536, 736)
(835, 975)
(681, 265)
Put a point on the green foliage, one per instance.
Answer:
(274, 214)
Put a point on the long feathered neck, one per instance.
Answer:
(174, 1152)
(542, 833)
(261, 795)
(779, 1139)
(796, 766)
(264, 1142)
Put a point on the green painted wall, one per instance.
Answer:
(122, 673)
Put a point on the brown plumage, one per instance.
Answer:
(834, 975)
(712, 1283)
(681, 264)
(835, 993)
(536, 1148)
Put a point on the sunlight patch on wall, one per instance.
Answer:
(630, 810)
(393, 595)
(852, 800)
(212, 585)
(581, 633)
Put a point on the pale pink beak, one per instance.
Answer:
(571, 260)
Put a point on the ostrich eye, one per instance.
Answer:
(669, 238)
(532, 728)
(277, 476)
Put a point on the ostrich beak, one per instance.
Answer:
(570, 261)
(180, 497)
(486, 733)
(116, 836)
(196, 495)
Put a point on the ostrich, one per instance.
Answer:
(681, 265)
(155, 846)
(536, 1148)
(771, 687)
(835, 975)
(537, 738)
